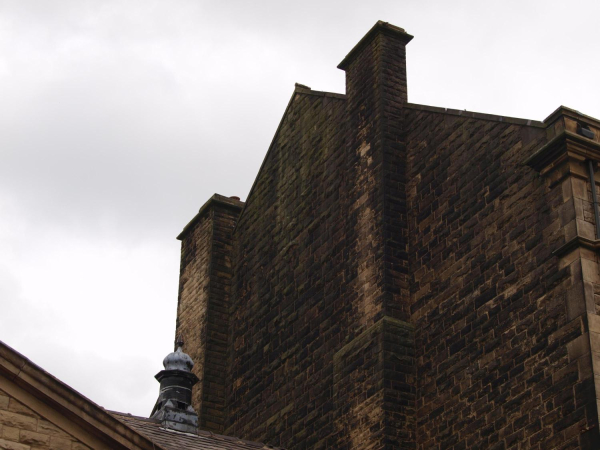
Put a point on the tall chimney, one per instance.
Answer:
(203, 305)
(378, 62)
(382, 398)
(376, 91)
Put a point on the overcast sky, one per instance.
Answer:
(119, 119)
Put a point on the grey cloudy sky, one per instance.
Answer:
(119, 119)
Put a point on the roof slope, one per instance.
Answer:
(38, 390)
(114, 430)
(174, 440)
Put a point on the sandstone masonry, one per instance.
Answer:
(401, 276)
(22, 429)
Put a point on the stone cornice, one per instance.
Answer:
(573, 114)
(562, 147)
(577, 241)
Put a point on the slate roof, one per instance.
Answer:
(175, 440)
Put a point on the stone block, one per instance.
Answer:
(595, 342)
(579, 188)
(590, 271)
(567, 189)
(589, 295)
(579, 210)
(594, 323)
(10, 433)
(60, 443)
(587, 253)
(586, 229)
(586, 370)
(569, 258)
(4, 401)
(575, 300)
(570, 230)
(18, 407)
(8, 445)
(20, 421)
(567, 213)
(578, 347)
(33, 438)
(50, 429)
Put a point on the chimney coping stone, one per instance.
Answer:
(379, 27)
(216, 199)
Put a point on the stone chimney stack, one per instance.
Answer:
(376, 91)
(204, 302)
(377, 233)
(174, 405)
(378, 63)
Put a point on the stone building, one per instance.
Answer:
(40, 412)
(401, 276)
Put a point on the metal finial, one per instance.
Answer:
(179, 341)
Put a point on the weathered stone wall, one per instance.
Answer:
(376, 409)
(374, 388)
(289, 309)
(489, 297)
(401, 278)
(376, 91)
(203, 306)
(21, 428)
(193, 298)
(322, 353)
